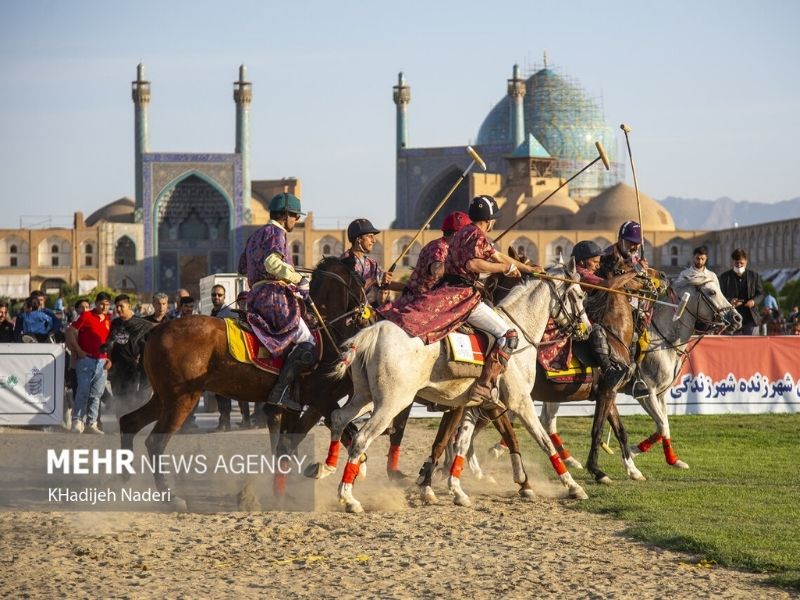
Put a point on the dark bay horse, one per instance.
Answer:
(185, 357)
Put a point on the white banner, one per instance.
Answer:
(31, 384)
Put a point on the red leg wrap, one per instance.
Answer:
(279, 484)
(333, 454)
(457, 467)
(559, 444)
(350, 473)
(669, 453)
(393, 462)
(648, 443)
(558, 464)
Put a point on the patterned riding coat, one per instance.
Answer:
(439, 311)
(272, 308)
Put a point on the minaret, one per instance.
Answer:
(140, 91)
(402, 96)
(516, 90)
(243, 95)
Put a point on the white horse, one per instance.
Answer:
(669, 346)
(389, 369)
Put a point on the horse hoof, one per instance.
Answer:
(527, 494)
(428, 496)
(572, 463)
(679, 464)
(497, 451)
(462, 500)
(577, 493)
(604, 480)
(178, 504)
(354, 507)
(396, 476)
(318, 471)
(637, 476)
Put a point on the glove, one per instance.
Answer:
(304, 286)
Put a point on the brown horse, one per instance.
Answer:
(184, 357)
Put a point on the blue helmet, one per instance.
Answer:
(631, 231)
(586, 249)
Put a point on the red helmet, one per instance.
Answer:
(455, 221)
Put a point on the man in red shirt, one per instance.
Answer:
(85, 337)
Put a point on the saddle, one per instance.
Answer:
(245, 347)
(466, 350)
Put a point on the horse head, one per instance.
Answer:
(707, 305)
(339, 296)
(566, 303)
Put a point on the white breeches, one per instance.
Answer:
(304, 334)
(485, 319)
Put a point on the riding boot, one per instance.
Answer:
(485, 388)
(301, 357)
(613, 372)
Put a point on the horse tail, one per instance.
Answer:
(360, 347)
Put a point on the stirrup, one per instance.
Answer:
(284, 400)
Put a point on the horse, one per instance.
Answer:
(184, 357)
(389, 369)
(663, 359)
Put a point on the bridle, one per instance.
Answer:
(349, 297)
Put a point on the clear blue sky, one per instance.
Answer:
(711, 90)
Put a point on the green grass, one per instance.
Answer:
(736, 506)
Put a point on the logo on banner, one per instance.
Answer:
(8, 381)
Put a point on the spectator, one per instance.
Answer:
(85, 337)
(220, 310)
(175, 312)
(33, 325)
(42, 299)
(145, 309)
(796, 328)
(744, 290)
(699, 263)
(6, 326)
(81, 306)
(186, 308)
(794, 316)
(160, 308)
(125, 347)
(770, 302)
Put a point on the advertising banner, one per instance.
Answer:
(727, 374)
(31, 384)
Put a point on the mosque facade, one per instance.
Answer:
(192, 212)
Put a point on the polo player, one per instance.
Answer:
(587, 261)
(457, 299)
(625, 254)
(361, 235)
(273, 308)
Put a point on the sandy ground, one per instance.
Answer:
(501, 547)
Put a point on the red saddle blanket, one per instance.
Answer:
(246, 348)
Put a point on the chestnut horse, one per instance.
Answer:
(184, 357)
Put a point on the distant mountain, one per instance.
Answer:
(693, 213)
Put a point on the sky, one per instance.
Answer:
(710, 89)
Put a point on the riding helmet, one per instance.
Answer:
(483, 208)
(358, 228)
(631, 231)
(285, 202)
(455, 221)
(586, 249)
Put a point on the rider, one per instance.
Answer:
(434, 314)
(625, 254)
(587, 259)
(361, 234)
(273, 308)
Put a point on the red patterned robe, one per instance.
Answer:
(436, 313)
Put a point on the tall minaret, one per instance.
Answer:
(140, 91)
(243, 95)
(516, 89)
(402, 96)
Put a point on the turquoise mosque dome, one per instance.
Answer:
(560, 115)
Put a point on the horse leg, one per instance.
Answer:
(172, 417)
(503, 425)
(601, 409)
(341, 419)
(274, 418)
(133, 422)
(375, 426)
(549, 422)
(527, 414)
(395, 439)
(622, 437)
(656, 407)
(447, 427)
(463, 441)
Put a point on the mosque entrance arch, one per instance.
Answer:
(435, 193)
(193, 224)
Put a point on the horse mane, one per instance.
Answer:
(328, 263)
(517, 291)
